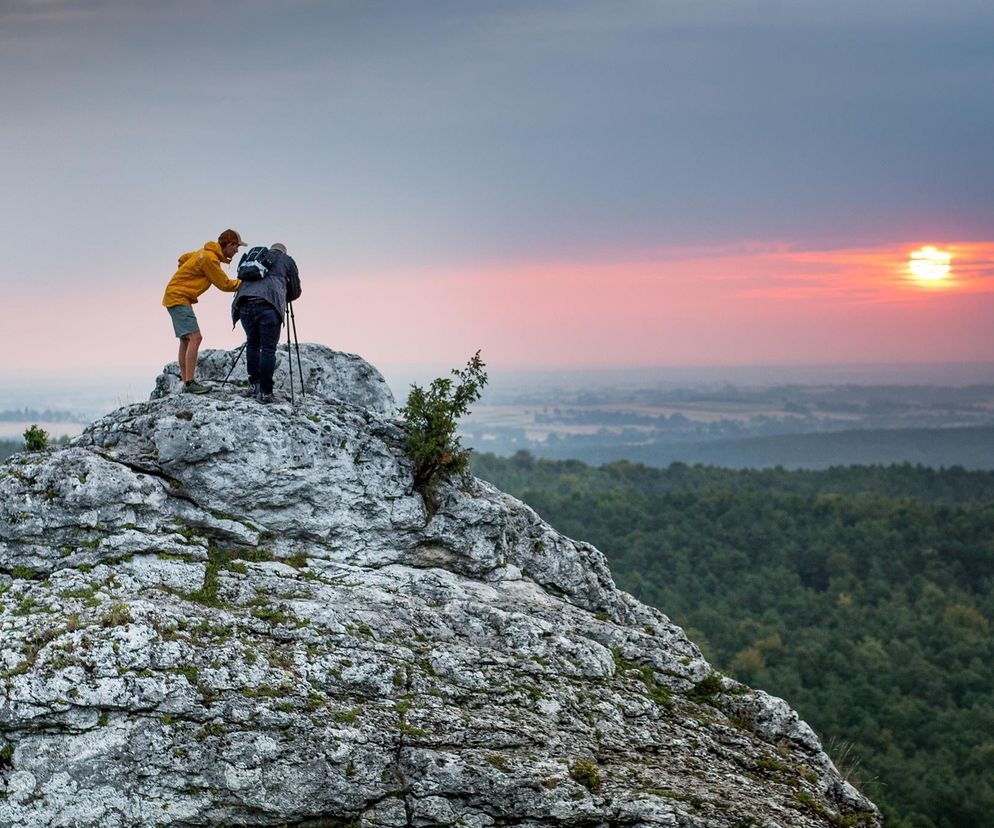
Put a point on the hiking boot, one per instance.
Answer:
(265, 399)
(253, 390)
(194, 387)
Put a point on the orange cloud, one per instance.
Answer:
(756, 303)
(769, 304)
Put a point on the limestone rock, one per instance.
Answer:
(320, 371)
(214, 612)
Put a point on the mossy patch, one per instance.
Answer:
(586, 773)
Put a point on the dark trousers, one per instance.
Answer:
(262, 333)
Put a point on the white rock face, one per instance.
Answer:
(214, 612)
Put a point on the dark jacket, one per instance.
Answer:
(280, 285)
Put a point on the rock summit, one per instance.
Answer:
(217, 613)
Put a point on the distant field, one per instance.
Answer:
(793, 426)
(579, 419)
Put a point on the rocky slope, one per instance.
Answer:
(219, 613)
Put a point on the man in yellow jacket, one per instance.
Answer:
(198, 270)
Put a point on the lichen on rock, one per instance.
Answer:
(214, 612)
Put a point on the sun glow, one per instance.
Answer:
(929, 264)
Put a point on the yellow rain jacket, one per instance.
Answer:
(198, 270)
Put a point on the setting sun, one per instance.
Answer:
(929, 264)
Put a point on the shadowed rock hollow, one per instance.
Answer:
(219, 613)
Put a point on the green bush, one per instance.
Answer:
(586, 773)
(431, 418)
(35, 438)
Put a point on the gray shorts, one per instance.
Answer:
(184, 320)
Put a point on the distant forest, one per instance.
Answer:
(862, 595)
(9, 447)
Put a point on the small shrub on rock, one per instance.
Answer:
(118, 615)
(432, 417)
(35, 438)
(584, 772)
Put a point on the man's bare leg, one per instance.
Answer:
(189, 347)
(181, 360)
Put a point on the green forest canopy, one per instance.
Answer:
(862, 595)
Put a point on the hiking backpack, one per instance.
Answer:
(254, 264)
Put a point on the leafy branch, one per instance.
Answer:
(431, 417)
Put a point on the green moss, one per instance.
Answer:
(26, 606)
(706, 689)
(409, 730)
(805, 801)
(272, 615)
(298, 560)
(498, 761)
(207, 595)
(258, 554)
(189, 672)
(281, 658)
(666, 793)
(211, 729)
(267, 691)
(655, 691)
(770, 765)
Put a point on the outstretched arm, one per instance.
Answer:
(212, 270)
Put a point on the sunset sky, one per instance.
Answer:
(562, 184)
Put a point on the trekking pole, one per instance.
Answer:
(238, 356)
(289, 355)
(296, 345)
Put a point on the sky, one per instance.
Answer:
(590, 183)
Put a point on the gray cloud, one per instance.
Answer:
(428, 130)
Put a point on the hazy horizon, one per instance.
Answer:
(564, 183)
(92, 397)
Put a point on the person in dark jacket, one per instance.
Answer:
(260, 306)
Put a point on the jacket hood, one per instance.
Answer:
(215, 248)
(212, 246)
